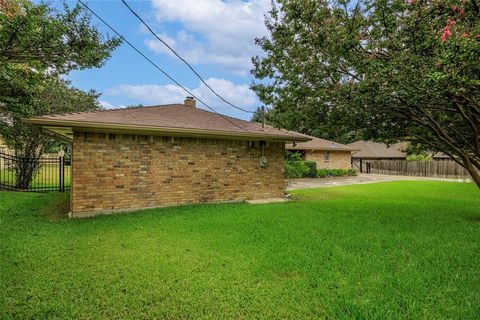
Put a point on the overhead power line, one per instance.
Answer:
(184, 61)
(157, 67)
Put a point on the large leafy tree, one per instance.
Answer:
(387, 70)
(38, 45)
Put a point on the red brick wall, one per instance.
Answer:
(115, 172)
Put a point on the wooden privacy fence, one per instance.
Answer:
(438, 169)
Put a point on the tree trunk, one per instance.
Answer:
(29, 161)
(25, 171)
(474, 172)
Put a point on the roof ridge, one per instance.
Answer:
(331, 141)
(142, 106)
(115, 109)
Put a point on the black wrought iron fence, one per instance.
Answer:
(42, 174)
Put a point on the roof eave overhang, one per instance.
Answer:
(66, 128)
(377, 157)
(320, 149)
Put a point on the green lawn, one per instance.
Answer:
(407, 250)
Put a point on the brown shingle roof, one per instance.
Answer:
(318, 144)
(376, 150)
(173, 118)
(370, 149)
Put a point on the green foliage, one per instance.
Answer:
(373, 251)
(296, 169)
(419, 157)
(258, 116)
(312, 169)
(37, 36)
(54, 146)
(323, 173)
(39, 45)
(293, 155)
(387, 70)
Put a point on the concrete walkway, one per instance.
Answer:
(360, 179)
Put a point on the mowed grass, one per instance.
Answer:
(402, 250)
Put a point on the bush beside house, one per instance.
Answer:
(297, 168)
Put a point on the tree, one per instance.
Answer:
(388, 70)
(46, 39)
(38, 45)
(261, 115)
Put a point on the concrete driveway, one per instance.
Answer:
(360, 179)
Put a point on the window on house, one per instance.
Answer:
(326, 156)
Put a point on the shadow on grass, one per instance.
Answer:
(473, 218)
(56, 209)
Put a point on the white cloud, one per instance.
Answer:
(107, 105)
(214, 31)
(152, 94)
(149, 93)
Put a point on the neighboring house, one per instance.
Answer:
(127, 159)
(327, 154)
(369, 150)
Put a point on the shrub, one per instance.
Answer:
(419, 157)
(323, 173)
(293, 156)
(312, 169)
(352, 172)
(338, 172)
(296, 169)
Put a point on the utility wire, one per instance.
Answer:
(157, 67)
(184, 61)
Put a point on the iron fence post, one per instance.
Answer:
(60, 175)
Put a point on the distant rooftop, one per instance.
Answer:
(376, 150)
(370, 149)
(319, 144)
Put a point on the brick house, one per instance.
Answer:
(133, 158)
(327, 154)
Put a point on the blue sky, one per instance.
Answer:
(216, 37)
